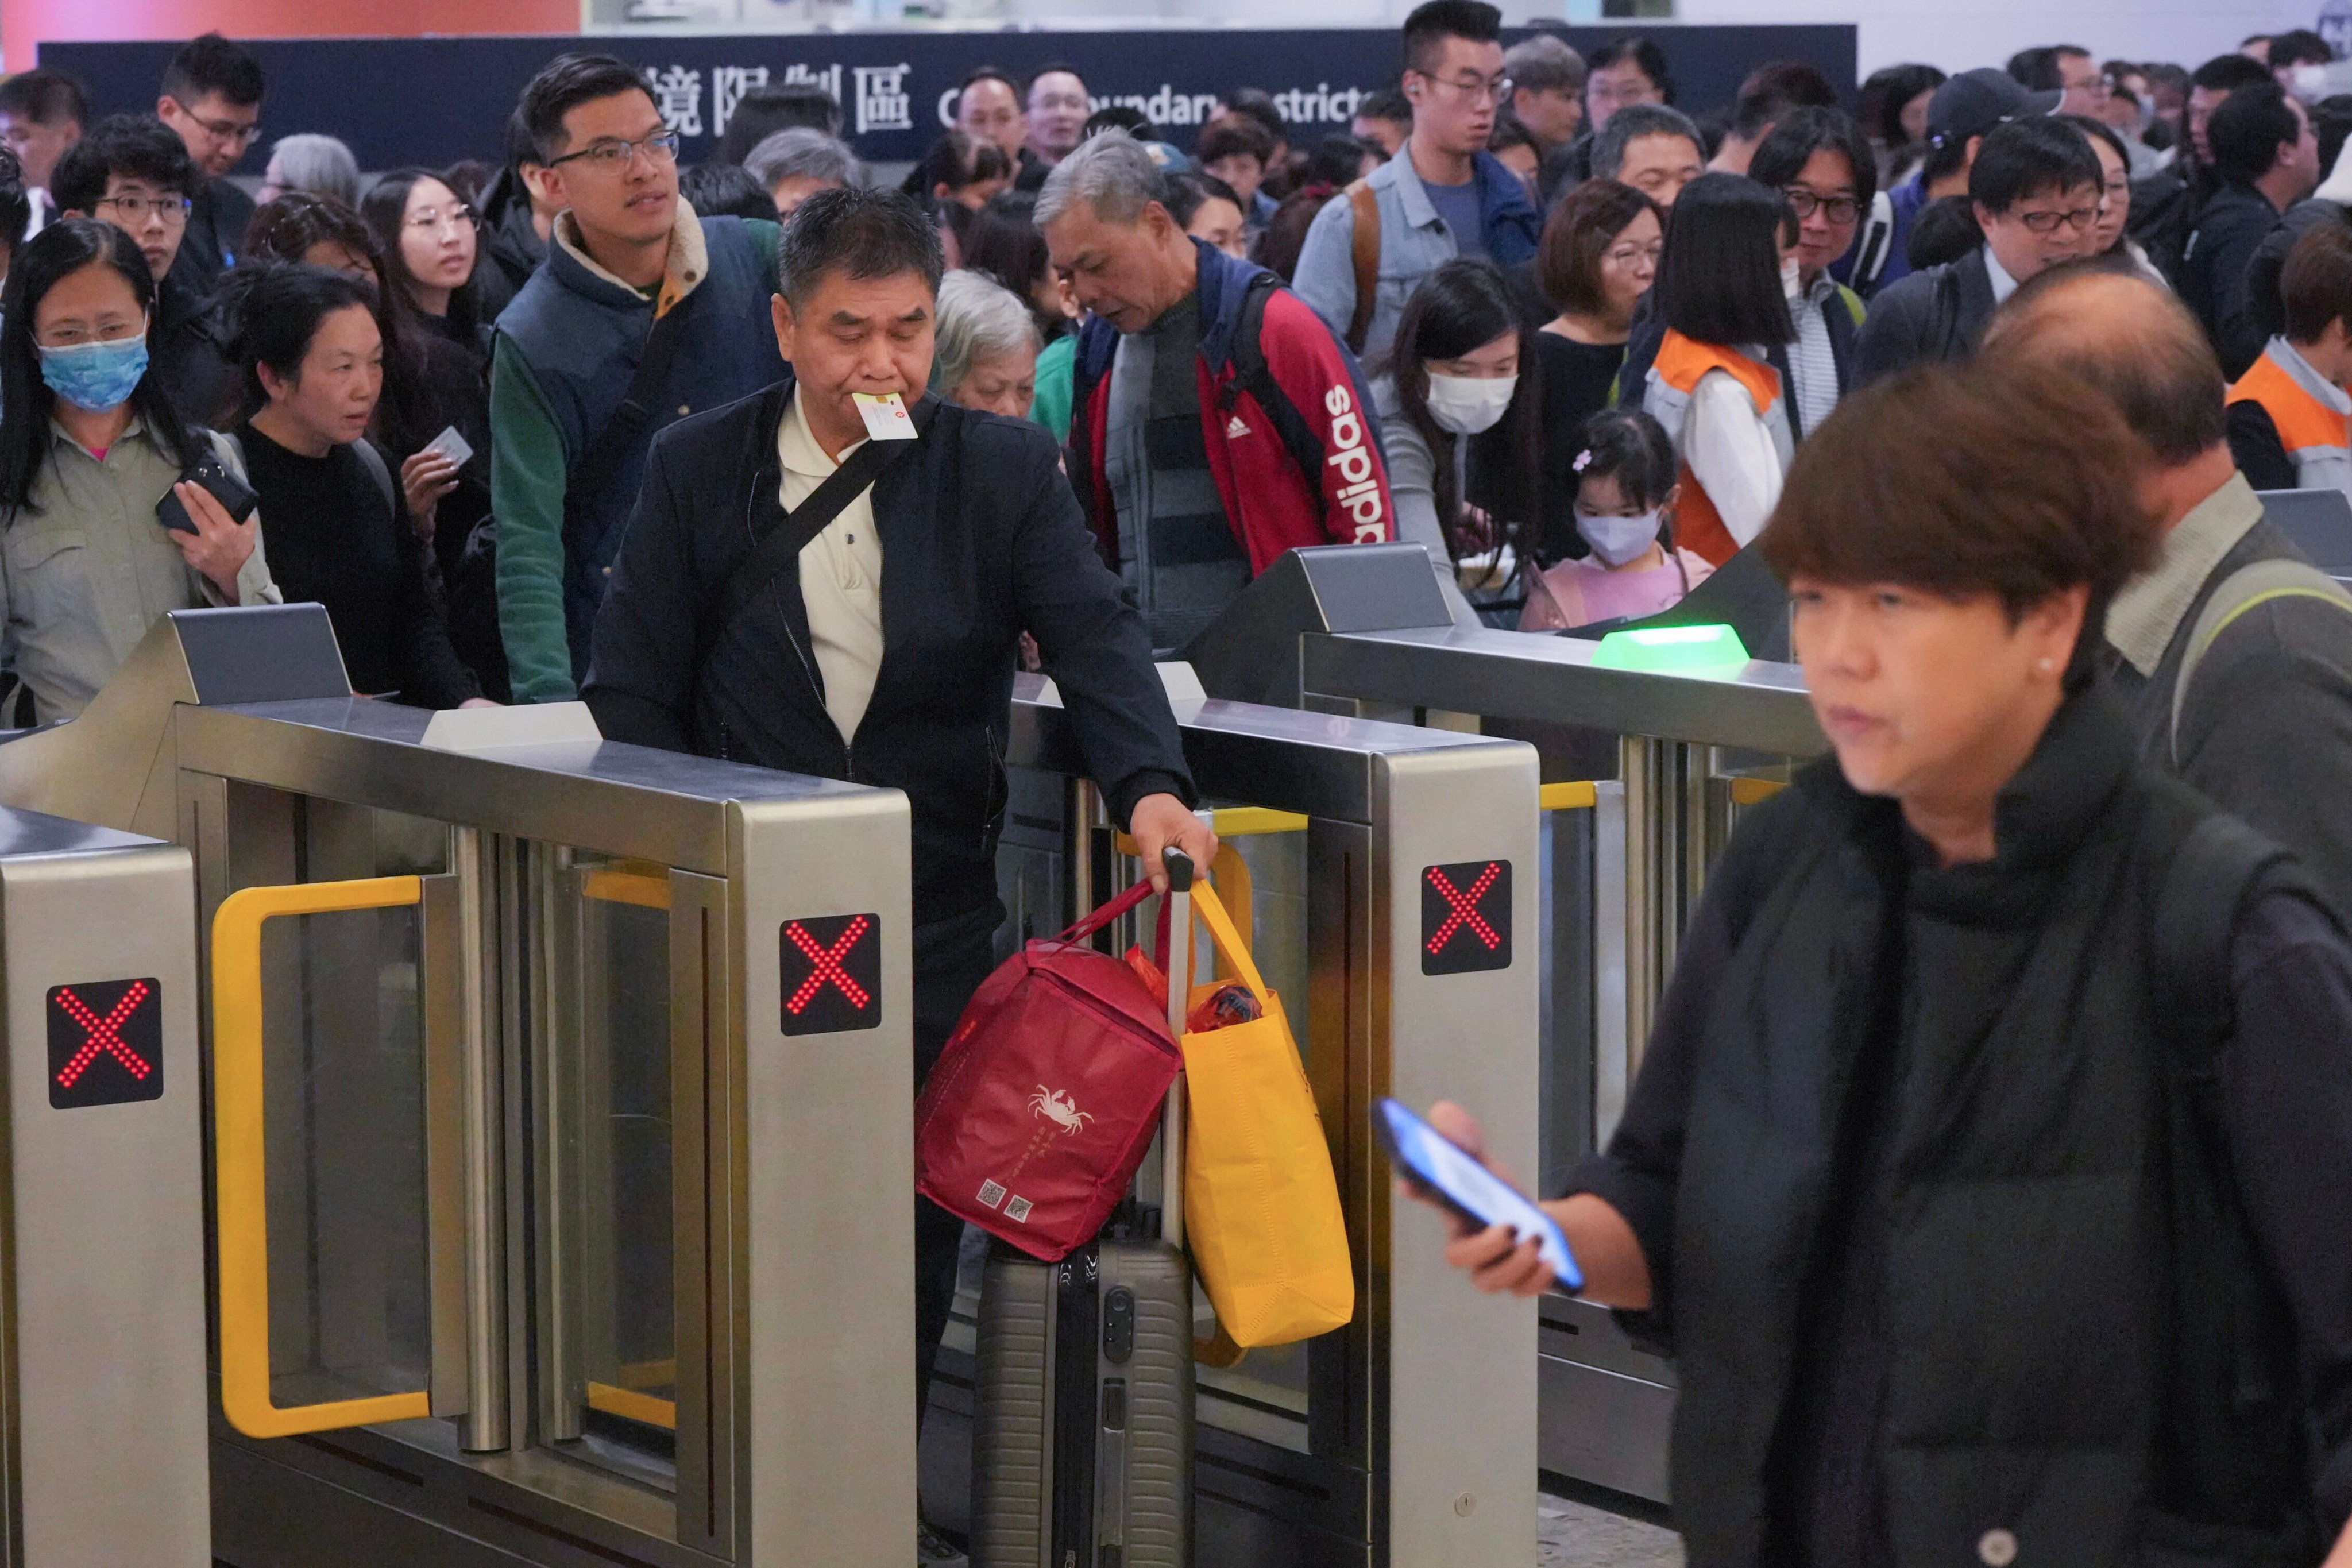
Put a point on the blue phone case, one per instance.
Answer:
(1470, 1190)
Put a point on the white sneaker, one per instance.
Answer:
(933, 1549)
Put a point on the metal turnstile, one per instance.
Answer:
(102, 1393)
(1391, 875)
(562, 1156)
(1646, 772)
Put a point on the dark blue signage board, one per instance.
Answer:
(435, 100)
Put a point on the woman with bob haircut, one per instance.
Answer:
(1985, 1170)
(1722, 295)
(1598, 258)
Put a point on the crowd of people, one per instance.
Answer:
(1991, 366)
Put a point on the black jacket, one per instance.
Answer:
(217, 216)
(1938, 314)
(2214, 272)
(2265, 311)
(1929, 1188)
(186, 349)
(982, 541)
(511, 249)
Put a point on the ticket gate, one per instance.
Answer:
(562, 1151)
(1646, 770)
(102, 1244)
(1395, 903)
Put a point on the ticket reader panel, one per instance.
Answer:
(105, 1391)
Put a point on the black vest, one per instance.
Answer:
(2068, 1360)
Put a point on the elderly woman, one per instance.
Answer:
(321, 165)
(985, 355)
(793, 165)
(1985, 1170)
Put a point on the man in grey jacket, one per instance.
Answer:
(2262, 725)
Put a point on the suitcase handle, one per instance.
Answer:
(1179, 867)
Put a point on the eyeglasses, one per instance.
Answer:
(2080, 220)
(77, 336)
(171, 209)
(457, 219)
(1805, 204)
(660, 149)
(227, 131)
(1626, 255)
(1477, 87)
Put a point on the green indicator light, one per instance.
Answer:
(1672, 648)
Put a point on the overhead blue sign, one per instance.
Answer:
(435, 100)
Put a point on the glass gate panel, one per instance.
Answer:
(326, 1069)
(622, 1294)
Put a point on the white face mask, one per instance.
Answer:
(1617, 540)
(1466, 404)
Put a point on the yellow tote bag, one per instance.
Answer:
(1261, 1204)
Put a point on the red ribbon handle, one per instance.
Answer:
(1108, 912)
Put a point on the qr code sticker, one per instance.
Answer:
(1017, 1211)
(991, 1194)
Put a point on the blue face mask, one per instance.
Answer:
(96, 376)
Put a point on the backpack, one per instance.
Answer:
(2248, 588)
(1365, 253)
(1251, 375)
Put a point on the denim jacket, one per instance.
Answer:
(1414, 242)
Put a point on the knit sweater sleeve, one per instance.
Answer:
(528, 474)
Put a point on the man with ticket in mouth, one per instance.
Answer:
(832, 577)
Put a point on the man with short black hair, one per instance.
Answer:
(1821, 160)
(1384, 116)
(988, 109)
(642, 314)
(1960, 115)
(748, 617)
(2290, 415)
(212, 100)
(1218, 423)
(763, 112)
(2036, 188)
(1771, 90)
(1237, 150)
(518, 215)
(1054, 114)
(42, 114)
(1547, 89)
(2267, 157)
(1445, 195)
(130, 171)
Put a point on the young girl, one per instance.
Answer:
(1625, 497)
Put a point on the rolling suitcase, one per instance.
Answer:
(1081, 1427)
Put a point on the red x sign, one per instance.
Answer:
(832, 973)
(1466, 916)
(106, 1043)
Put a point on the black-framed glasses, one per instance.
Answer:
(1805, 204)
(2080, 220)
(226, 130)
(660, 148)
(171, 209)
(1475, 87)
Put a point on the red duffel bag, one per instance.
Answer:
(1048, 1093)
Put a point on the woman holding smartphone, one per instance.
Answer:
(88, 448)
(310, 359)
(1984, 1173)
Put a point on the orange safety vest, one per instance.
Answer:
(2307, 428)
(1680, 365)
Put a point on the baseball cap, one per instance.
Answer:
(1973, 102)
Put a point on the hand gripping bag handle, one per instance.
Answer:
(1179, 867)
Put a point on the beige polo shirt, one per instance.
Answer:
(841, 577)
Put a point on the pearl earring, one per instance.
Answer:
(2048, 665)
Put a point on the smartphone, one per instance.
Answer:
(1437, 1166)
(452, 445)
(236, 497)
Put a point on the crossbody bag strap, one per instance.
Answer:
(629, 422)
(775, 551)
(2248, 588)
(1364, 258)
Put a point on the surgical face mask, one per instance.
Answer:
(2308, 83)
(96, 376)
(1466, 404)
(1617, 540)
